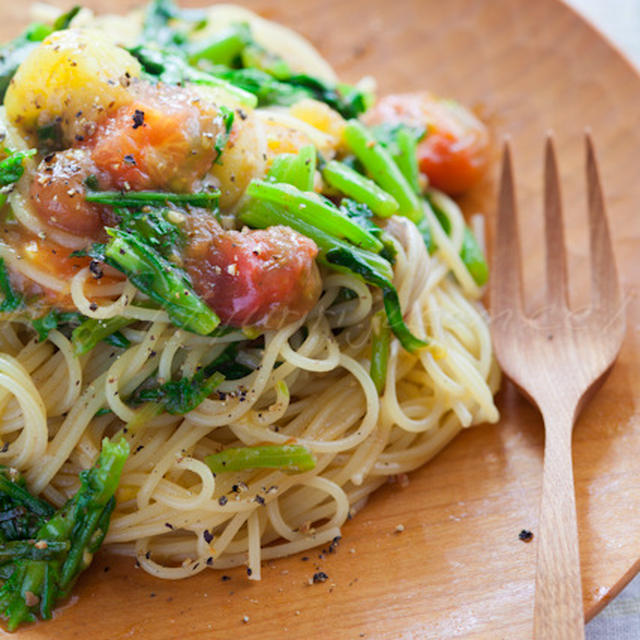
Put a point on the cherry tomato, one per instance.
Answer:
(164, 139)
(454, 152)
(58, 194)
(265, 278)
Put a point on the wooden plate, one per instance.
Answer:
(458, 569)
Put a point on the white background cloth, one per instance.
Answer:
(619, 20)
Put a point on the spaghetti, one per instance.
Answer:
(307, 382)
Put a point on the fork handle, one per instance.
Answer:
(558, 612)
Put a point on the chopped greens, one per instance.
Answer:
(362, 215)
(159, 279)
(350, 262)
(172, 67)
(315, 210)
(356, 186)
(297, 170)
(292, 458)
(382, 168)
(380, 340)
(41, 566)
(91, 331)
(401, 141)
(206, 199)
(54, 319)
(12, 300)
(223, 137)
(181, 396)
(11, 170)
(184, 395)
(473, 258)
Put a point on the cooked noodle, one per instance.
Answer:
(312, 384)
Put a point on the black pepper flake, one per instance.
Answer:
(93, 306)
(304, 558)
(249, 571)
(525, 535)
(106, 569)
(129, 159)
(242, 114)
(208, 536)
(152, 595)
(138, 118)
(226, 578)
(96, 269)
(222, 500)
(210, 561)
(140, 447)
(49, 157)
(168, 525)
(259, 500)
(5, 447)
(320, 576)
(334, 544)
(147, 555)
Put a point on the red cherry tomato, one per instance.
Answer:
(265, 278)
(454, 152)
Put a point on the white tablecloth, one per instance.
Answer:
(620, 21)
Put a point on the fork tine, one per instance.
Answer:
(506, 286)
(554, 233)
(605, 290)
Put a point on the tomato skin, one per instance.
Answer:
(264, 278)
(454, 153)
(58, 194)
(164, 139)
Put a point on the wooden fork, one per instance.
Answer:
(557, 359)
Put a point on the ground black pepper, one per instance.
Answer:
(525, 535)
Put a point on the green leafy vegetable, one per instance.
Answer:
(207, 199)
(11, 170)
(158, 23)
(12, 300)
(315, 210)
(349, 261)
(292, 458)
(223, 48)
(152, 224)
(382, 168)
(118, 339)
(157, 278)
(21, 514)
(223, 137)
(380, 340)
(261, 215)
(401, 141)
(184, 395)
(359, 188)
(362, 215)
(37, 578)
(172, 68)
(63, 21)
(54, 319)
(297, 169)
(91, 331)
(473, 258)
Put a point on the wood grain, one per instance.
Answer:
(458, 570)
(558, 358)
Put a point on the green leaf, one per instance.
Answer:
(291, 458)
(53, 319)
(12, 299)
